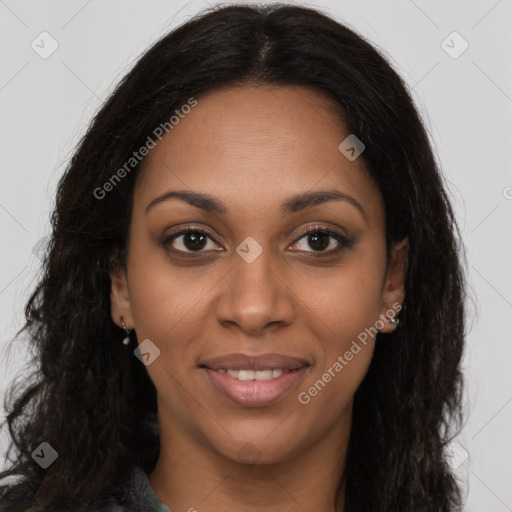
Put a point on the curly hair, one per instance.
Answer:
(96, 405)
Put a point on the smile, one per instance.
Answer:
(254, 380)
(269, 374)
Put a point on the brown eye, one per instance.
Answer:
(321, 240)
(189, 241)
(194, 241)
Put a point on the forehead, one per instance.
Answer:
(255, 145)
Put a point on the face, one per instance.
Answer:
(271, 260)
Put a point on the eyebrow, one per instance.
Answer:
(291, 205)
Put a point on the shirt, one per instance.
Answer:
(140, 496)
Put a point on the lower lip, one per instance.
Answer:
(255, 393)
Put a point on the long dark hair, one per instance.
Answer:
(95, 404)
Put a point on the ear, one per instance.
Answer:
(120, 305)
(393, 292)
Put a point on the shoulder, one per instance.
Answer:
(136, 495)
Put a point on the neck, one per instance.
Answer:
(190, 475)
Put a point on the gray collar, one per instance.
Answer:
(142, 495)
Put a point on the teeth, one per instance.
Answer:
(253, 374)
(263, 374)
(243, 374)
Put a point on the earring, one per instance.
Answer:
(395, 321)
(126, 339)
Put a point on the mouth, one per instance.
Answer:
(254, 381)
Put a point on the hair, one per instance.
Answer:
(95, 404)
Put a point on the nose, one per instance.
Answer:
(255, 297)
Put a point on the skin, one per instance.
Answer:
(252, 148)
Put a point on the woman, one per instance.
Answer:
(253, 295)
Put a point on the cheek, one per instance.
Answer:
(343, 303)
(169, 304)
(345, 332)
(343, 314)
(169, 307)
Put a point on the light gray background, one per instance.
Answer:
(46, 104)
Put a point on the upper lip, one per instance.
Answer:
(239, 361)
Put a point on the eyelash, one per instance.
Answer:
(343, 242)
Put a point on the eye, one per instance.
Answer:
(190, 240)
(322, 240)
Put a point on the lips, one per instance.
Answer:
(254, 380)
